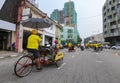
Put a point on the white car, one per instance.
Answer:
(107, 47)
(116, 47)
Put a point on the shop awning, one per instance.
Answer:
(30, 29)
(7, 25)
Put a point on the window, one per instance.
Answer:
(110, 17)
(70, 31)
(113, 8)
(112, 30)
(70, 35)
(113, 1)
(61, 36)
(110, 3)
(105, 32)
(113, 23)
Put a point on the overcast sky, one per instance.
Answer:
(89, 14)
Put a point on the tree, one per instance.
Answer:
(79, 39)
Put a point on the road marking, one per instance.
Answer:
(73, 56)
(1, 57)
(97, 53)
(13, 55)
(99, 61)
(61, 66)
(116, 54)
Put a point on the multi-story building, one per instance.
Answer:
(58, 16)
(8, 19)
(67, 17)
(111, 21)
(12, 12)
(98, 37)
(70, 14)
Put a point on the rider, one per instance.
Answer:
(56, 47)
(69, 45)
(33, 45)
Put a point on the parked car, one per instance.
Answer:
(107, 46)
(116, 47)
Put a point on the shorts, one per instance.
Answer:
(35, 52)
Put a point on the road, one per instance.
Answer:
(78, 67)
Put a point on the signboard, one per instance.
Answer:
(7, 25)
(21, 31)
(26, 14)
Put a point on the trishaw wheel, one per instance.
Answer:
(59, 62)
(23, 66)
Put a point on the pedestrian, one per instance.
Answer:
(13, 46)
(56, 41)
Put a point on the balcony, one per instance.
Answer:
(106, 35)
(114, 34)
(105, 29)
(113, 26)
(118, 25)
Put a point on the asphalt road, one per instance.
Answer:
(78, 67)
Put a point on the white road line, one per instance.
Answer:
(97, 53)
(1, 57)
(99, 61)
(13, 55)
(61, 66)
(116, 54)
(73, 56)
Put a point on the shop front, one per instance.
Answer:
(6, 30)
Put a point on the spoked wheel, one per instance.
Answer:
(59, 62)
(23, 66)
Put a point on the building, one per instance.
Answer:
(70, 14)
(8, 19)
(67, 17)
(48, 34)
(11, 29)
(97, 37)
(111, 21)
(58, 16)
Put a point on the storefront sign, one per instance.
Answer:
(21, 31)
(7, 25)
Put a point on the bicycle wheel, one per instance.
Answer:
(23, 66)
(59, 62)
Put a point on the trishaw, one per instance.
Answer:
(25, 63)
(71, 48)
(48, 55)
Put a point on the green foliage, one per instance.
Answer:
(79, 39)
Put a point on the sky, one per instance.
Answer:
(89, 14)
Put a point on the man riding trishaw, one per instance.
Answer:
(70, 46)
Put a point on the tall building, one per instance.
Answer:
(67, 17)
(111, 21)
(58, 16)
(70, 14)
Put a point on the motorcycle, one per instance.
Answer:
(82, 48)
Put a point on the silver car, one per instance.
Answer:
(116, 47)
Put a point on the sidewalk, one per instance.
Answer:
(8, 54)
